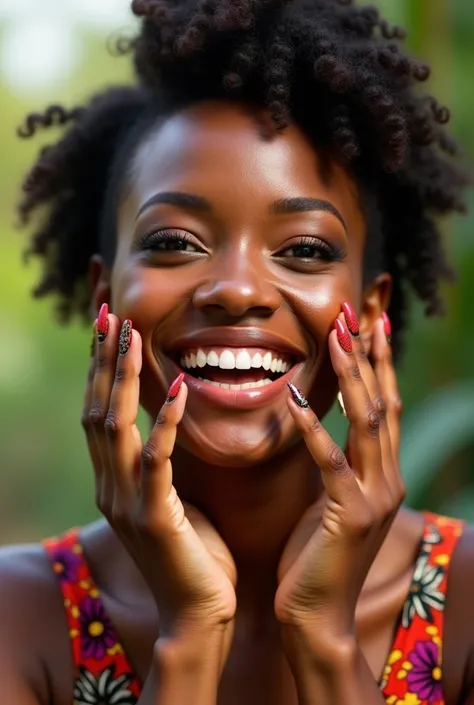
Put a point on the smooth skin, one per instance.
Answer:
(226, 551)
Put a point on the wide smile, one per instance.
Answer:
(242, 375)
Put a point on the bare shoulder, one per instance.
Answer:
(459, 618)
(34, 632)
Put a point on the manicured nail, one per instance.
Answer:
(94, 337)
(343, 336)
(387, 326)
(103, 323)
(298, 396)
(351, 319)
(173, 391)
(125, 338)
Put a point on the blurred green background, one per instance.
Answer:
(46, 484)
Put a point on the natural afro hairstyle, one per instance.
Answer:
(333, 67)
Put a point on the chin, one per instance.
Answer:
(232, 443)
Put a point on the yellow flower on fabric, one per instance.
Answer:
(394, 656)
(442, 559)
(409, 699)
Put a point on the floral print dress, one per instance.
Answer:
(412, 675)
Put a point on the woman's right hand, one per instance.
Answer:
(184, 561)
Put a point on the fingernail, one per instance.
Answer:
(103, 323)
(387, 326)
(343, 336)
(173, 391)
(351, 319)
(298, 396)
(94, 336)
(125, 338)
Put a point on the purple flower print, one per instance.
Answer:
(66, 564)
(97, 632)
(424, 678)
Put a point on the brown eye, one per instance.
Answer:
(169, 241)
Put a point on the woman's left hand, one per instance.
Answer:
(329, 554)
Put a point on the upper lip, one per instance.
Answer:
(236, 338)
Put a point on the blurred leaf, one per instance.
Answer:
(433, 433)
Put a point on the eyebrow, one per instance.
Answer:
(283, 206)
(302, 205)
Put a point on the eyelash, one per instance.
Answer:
(151, 241)
(326, 252)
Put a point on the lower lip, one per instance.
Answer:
(239, 398)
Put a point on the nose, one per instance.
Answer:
(237, 289)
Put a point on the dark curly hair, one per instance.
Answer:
(333, 67)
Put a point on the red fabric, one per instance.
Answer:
(412, 675)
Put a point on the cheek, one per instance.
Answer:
(146, 296)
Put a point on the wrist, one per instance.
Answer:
(317, 647)
(188, 667)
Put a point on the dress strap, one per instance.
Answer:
(414, 665)
(102, 671)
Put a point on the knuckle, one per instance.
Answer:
(362, 522)
(96, 416)
(354, 373)
(150, 456)
(85, 420)
(373, 423)
(121, 374)
(362, 354)
(112, 425)
(161, 419)
(101, 361)
(398, 405)
(380, 407)
(337, 461)
(315, 425)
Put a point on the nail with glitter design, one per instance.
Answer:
(103, 323)
(173, 391)
(125, 339)
(387, 326)
(351, 319)
(343, 336)
(94, 337)
(298, 396)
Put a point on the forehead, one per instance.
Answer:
(219, 149)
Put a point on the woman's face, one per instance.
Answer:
(236, 252)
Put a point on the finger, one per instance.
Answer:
(123, 438)
(364, 420)
(85, 421)
(385, 371)
(105, 363)
(382, 359)
(156, 472)
(372, 385)
(339, 480)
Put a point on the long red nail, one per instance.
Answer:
(351, 319)
(173, 391)
(125, 338)
(387, 326)
(343, 336)
(103, 323)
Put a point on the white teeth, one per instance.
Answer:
(243, 361)
(201, 358)
(227, 360)
(213, 359)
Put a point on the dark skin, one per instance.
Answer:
(228, 464)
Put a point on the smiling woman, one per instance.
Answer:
(240, 222)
